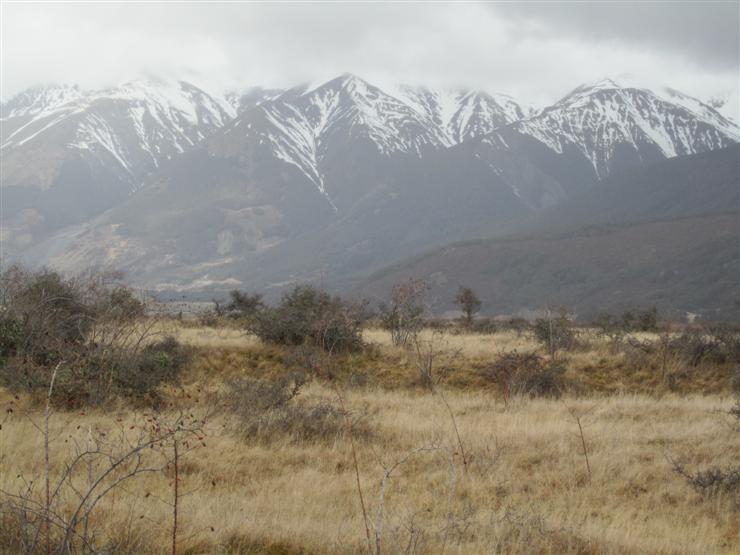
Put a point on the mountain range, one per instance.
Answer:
(665, 235)
(190, 191)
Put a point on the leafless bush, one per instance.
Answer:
(428, 354)
(713, 481)
(56, 512)
(403, 316)
(715, 344)
(555, 331)
(525, 374)
(728, 337)
(266, 410)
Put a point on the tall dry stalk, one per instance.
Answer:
(175, 496)
(356, 466)
(578, 417)
(47, 481)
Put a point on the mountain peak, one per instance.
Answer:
(586, 90)
(347, 79)
(605, 83)
(348, 82)
(591, 87)
(41, 98)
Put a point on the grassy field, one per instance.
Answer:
(458, 470)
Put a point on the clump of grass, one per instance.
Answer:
(525, 374)
(268, 410)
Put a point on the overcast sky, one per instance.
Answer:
(533, 51)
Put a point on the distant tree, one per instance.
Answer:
(469, 303)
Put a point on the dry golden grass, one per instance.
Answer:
(205, 336)
(525, 487)
(471, 345)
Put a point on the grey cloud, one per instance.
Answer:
(530, 51)
(706, 32)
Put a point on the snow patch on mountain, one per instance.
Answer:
(458, 114)
(596, 118)
(41, 99)
(130, 129)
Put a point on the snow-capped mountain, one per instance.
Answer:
(68, 154)
(613, 127)
(458, 115)
(131, 128)
(279, 185)
(308, 127)
(39, 99)
(241, 101)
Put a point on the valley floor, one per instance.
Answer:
(460, 470)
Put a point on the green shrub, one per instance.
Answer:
(307, 315)
(90, 330)
(10, 337)
(244, 306)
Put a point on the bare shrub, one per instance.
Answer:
(210, 319)
(56, 512)
(525, 374)
(555, 331)
(713, 481)
(267, 410)
(403, 316)
(717, 344)
(428, 353)
(727, 338)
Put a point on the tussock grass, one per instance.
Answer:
(524, 486)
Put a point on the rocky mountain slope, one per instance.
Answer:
(328, 182)
(69, 154)
(666, 234)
